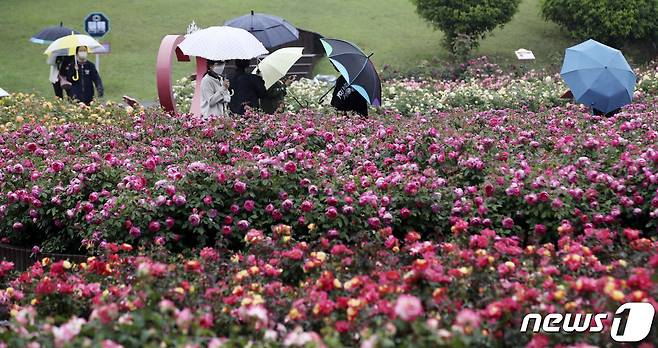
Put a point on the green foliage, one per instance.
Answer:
(466, 22)
(611, 22)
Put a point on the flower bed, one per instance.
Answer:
(184, 182)
(481, 86)
(412, 228)
(19, 109)
(473, 289)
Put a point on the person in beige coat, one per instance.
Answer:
(215, 94)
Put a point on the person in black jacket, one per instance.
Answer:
(83, 76)
(598, 112)
(346, 98)
(247, 88)
(274, 97)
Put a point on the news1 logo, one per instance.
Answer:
(631, 323)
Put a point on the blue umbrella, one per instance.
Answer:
(50, 34)
(271, 31)
(598, 75)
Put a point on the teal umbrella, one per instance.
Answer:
(356, 68)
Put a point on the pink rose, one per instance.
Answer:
(408, 307)
(194, 219)
(290, 167)
(331, 213)
(249, 205)
(306, 206)
(135, 232)
(239, 187)
(508, 223)
(207, 200)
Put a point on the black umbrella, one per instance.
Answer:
(356, 68)
(50, 34)
(272, 31)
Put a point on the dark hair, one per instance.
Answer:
(242, 64)
(79, 47)
(213, 62)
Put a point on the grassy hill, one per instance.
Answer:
(390, 28)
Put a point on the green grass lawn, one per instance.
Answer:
(389, 28)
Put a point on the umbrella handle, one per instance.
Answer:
(75, 62)
(298, 102)
(325, 94)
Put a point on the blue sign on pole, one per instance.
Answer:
(97, 24)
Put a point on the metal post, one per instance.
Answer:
(98, 63)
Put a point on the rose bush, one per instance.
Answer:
(479, 85)
(20, 108)
(428, 227)
(183, 181)
(472, 289)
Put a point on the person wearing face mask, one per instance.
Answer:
(215, 95)
(247, 87)
(83, 76)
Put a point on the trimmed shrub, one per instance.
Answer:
(611, 22)
(466, 22)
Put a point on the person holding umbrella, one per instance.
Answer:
(215, 95)
(272, 69)
(596, 112)
(345, 98)
(58, 59)
(83, 76)
(598, 76)
(358, 84)
(274, 97)
(248, 88)
(217, 44)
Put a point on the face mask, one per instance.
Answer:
(82, 55)
(218, 69)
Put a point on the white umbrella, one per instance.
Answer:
(222, 43)
(277, 64)
(3, 93)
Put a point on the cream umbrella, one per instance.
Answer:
(222, 43)
(71, 42)
(276, 65)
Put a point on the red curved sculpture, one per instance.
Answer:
(168, 46)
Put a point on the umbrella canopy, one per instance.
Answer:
(3, 93)
(356, 68)
(271, 30)
(50, 34)
(598, 75)
(52, 57)
(71, 42)
(276, 65)
(222, 43)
